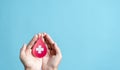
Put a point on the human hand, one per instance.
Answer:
(29, 61)
(49, 62)
(53, 57)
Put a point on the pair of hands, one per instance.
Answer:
(49, 62)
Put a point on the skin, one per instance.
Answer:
(48, 62)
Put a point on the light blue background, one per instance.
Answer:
(87, 31)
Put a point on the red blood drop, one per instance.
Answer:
(39, 49)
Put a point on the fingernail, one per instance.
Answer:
(39, 34)
(44, 34)
(36, 35)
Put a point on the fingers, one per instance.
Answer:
(40, 35)
(57, 49)
(32, 42)
(52, 46)
(47, 38)
(23, 50)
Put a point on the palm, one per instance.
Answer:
(49, 61)
(31, 60)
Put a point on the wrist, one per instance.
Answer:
(27, 68)
(52, 68)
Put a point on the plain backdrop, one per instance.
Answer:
(87, 31)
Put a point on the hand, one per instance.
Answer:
(53, 57)
(30, 62)
(49, 62)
